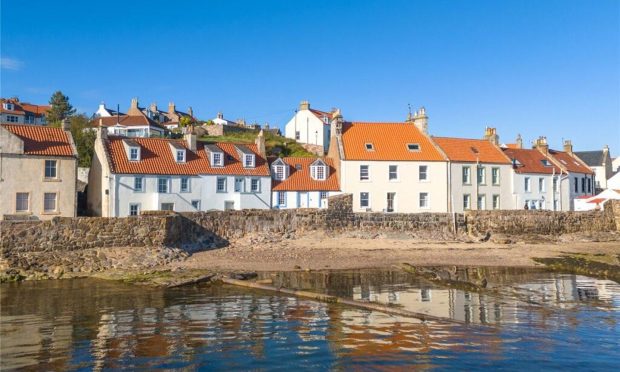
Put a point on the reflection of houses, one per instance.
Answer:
(303, 182)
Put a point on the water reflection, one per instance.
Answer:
(64, 325)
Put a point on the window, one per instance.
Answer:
(49, 202)
(555, 184)
(167, 206)
(217, 159)
(138, 184)
(423, 173)
(8, 106)
(369, 147)
(482, 176)
(239, 184)
(12, 119)
(495, 201)
(583, 184)
(317, 172)
(527, 184)
(364, 174)
(466, 175)
(255, 185)
(466, 201)
(162, 185)
(248, 161)
(133, 154)
(390, 201)
(576, 184)
(589, 185)
(364, 200)
(481, 202)
(221, 184)
(134, 209)
(282, 199)
(424, 202)
(541, 184)
(196, 204)
(21, 202)
(50, 169)
(184, 184)
(180, 156)
(297, 136)
(495, 176)
(323, 195)
(393, 172)
(413, 147)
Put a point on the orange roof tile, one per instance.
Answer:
(126, 120)
(38, 110)
(156, 158)
(389, 142)
(39, 140)
(300, 180)
(471, 150)
(531, 161)
(21, 108)
(572, 164)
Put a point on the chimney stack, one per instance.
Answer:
(490, 134)
(171, 108)
(220, 115)
(190, 139)
(304, 105)
(66, 124)
(134, 103)
(102, 132)
(133, 109)
(260, 144)
(542, 145)
(519, 141)
(420, 120)
(153, 107)
(568, 146)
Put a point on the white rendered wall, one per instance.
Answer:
(312, 130)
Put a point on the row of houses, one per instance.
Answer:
(387, 167)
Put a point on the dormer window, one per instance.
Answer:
(217, 159)
(248, 161)
(133, 149)
(9, 106)
(246, 156)
(178, 152)
(180, 156)
(318, 170)
(545, 163)
(413, 147)
(325, 119)
(298, 166)
(134, 154)
(369, 147)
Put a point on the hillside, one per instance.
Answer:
(274, 144)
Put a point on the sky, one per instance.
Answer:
(529, 67)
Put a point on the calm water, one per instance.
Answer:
(530, 319)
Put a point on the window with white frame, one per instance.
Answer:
(134, 209)
(248, 161)
(555, 184)
(466, 201)
(180, 156)
(466, 175)
(364, 174)
(424, 200)
(393, 172)
(482, 176)
(22, 202)
(50, 168)
(217, 159)
(255, 185)
(541, 184)
(138, 184)
(495, 176)
(185, 184)
(221, 184)
(8, 106)
(318, 172)
(12, 118)
(162, 185)
(282, 198)
(279, 172)
(481, 202)
(196, 204)
(423, 173)
(323, 195)
(496, 202)
(364, 200)
(134, 154)
(297, 135)
(49, 202)
(527, 184)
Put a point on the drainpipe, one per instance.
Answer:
(562, 179)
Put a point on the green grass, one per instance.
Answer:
(287, 146)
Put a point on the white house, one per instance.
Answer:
(479, 173)
(130, 175)
(303, 182)
(220, 120)
(310, 126)
(389, 167)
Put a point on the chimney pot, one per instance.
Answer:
(304, 105)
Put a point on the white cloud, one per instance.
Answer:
(11, 64)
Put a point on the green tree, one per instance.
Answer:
(60, 108)
(83, 136)
(186, 121)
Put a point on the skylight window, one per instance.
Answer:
(413, 147)
(370, 147)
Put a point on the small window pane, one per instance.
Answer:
(221, 184)
(255, 185)
(137, 183)
(184, 184)
(424, 200)
(364, 175)
(162, 185)
(21, 202)
(196, 204)
(423, 173)
(393, 172)
(364, 200)
(49, 202)
(282, 198)
(50, 169)
(134, 209)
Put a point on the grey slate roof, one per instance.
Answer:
(592, 158)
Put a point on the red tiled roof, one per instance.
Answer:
(157, 158)
(471, 150)
(597, 200)
(300, 180)
(39, 140)
(35, 109)
(127, 121)
(389, 141)
(512, 146)
(21, 108)
(530, 161)
(572, 164)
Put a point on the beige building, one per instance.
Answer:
(38, 172)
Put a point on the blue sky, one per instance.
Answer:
(531, 67)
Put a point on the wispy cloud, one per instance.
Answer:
(10, 64)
